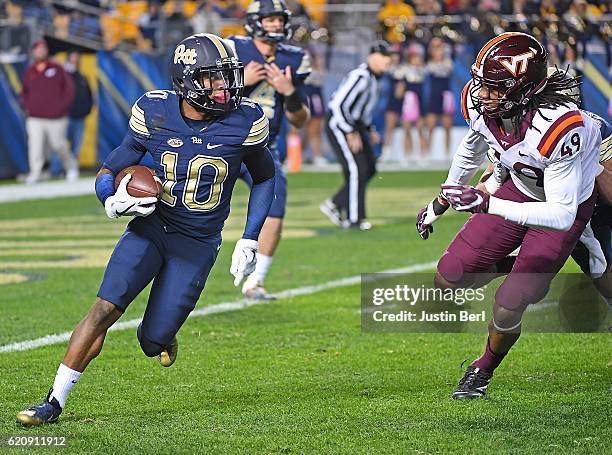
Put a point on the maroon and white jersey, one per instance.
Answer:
(553, 159)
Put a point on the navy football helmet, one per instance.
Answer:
(258, 9)
(207, 74)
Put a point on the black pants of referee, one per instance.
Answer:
(358, 169)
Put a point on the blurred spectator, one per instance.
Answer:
(150, 22)
(452, 6)
(313, 90)
(13, 12)
(61, 20)
(84, 25)
(206, 19)
(79, 110)
(232, 9)
(298, 11)
(82, 104)
(300, 21)
(392, 16)
(527, 7)
(47, 94)
(15, 36)
(441, 101)
(548, 9)
(579, 20)
(393, 111)
(413, 72)
(574, 65)
(492, 6)
(427, 7)
(553, 56)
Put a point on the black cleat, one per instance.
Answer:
(47, 411)
(473, 384)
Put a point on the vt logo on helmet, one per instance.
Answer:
(260, 9)
(512, 68)
(517, 64)
(207, 74)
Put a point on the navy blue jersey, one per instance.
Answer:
(198, 168)
(263, 93)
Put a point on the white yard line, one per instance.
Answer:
(218, 308)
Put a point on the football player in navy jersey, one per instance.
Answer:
(199, 136)
(274, 76)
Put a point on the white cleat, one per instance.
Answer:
(256, 292)
(72, 175)
(329, 209)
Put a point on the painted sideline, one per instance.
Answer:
(218, 308)
(47, 190)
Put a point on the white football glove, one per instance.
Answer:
(497, 178)
(122, 204)
(244, 259)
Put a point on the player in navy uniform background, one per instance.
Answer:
(198, 137)
(274, 77)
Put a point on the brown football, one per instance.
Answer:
(144, 182)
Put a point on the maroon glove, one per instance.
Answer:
(466, 198)
(423, 228)
(428, 215)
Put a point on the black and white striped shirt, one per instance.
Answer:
(352, 103)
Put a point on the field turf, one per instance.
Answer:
(293, 376)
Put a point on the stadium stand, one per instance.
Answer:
(127, 42)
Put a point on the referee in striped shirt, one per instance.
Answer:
(349, 128)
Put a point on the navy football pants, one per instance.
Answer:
(178, 265)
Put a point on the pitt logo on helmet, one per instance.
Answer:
(186, 56)
(517, 64)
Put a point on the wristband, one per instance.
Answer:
(105, 187)
(293, 102)
(439, 208)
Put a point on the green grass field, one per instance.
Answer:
(293, 376)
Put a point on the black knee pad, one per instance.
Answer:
(150, 348)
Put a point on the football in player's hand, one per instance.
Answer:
(144, 182)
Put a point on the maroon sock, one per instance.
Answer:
(489, 360)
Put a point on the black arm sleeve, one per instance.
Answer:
(260, 164)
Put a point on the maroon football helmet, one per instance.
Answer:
(513, 63)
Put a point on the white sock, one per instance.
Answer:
(65, 379)
(261, 270)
